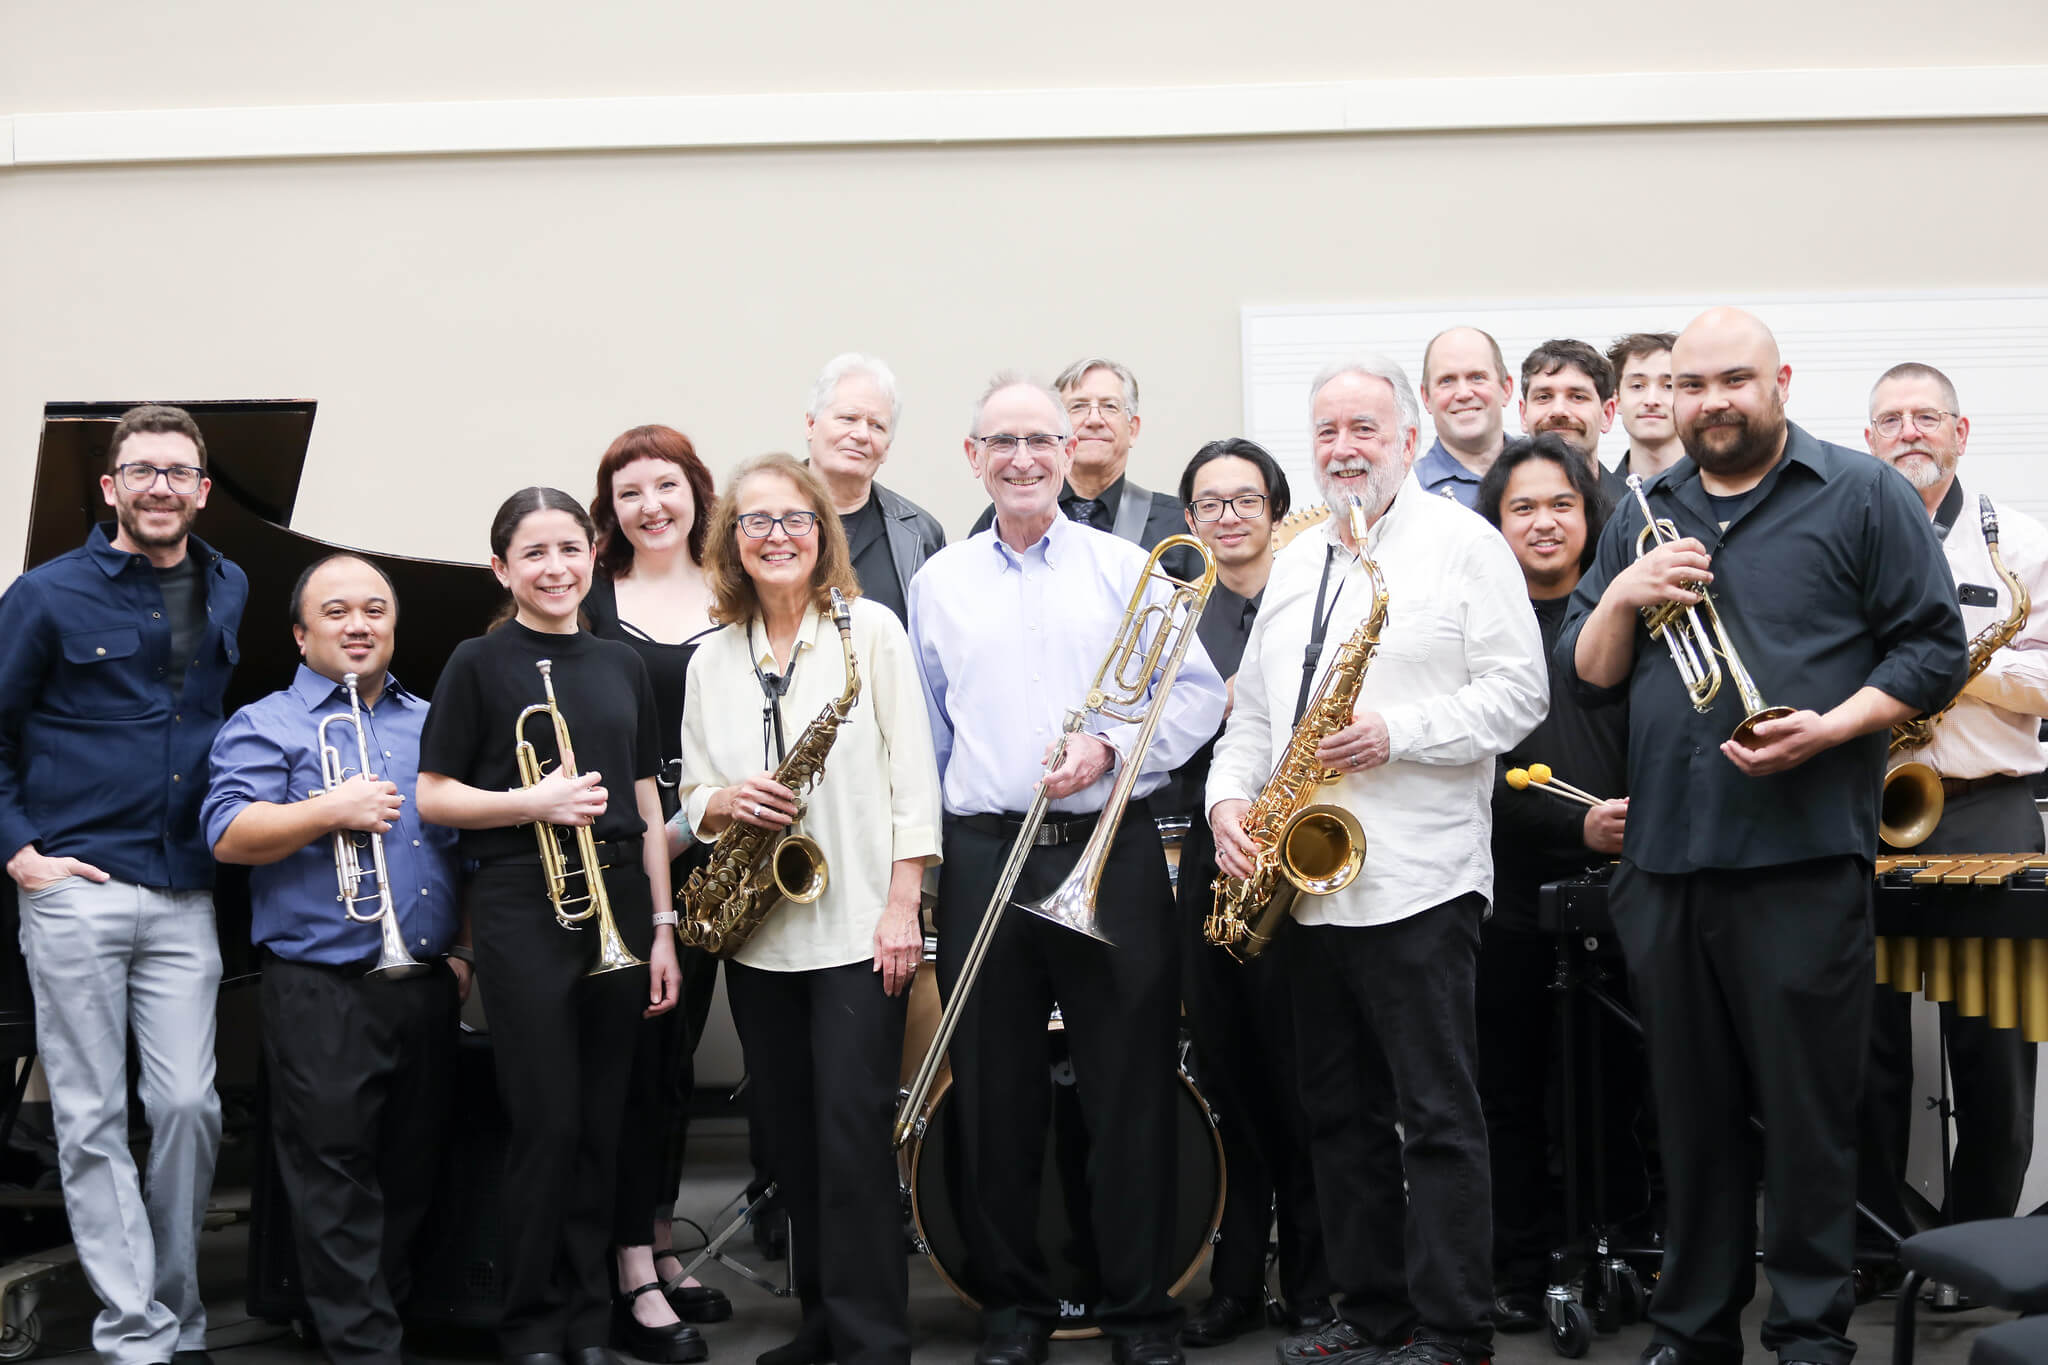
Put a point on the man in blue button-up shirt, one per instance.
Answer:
(358, 1031)
(117, 655)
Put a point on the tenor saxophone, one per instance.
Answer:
(1304, 847)
(1911, 803)
(752, 870)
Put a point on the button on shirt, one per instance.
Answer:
(1827, 580)
(1995, 726)
(1458, 678)
(1008, 643)
(269, 751)
(99, 758)
(878, 800)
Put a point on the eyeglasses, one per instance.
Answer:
(1039, 443)
(140, 478)
(1246, 505)
(1892, 423)
(1110, 408)
(795, 525)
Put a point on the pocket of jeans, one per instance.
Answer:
(48, 887)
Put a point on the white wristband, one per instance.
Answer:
(667, 917)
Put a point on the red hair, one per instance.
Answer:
(614, 550)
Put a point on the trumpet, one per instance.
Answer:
(1696, 638)
(612, 953)
(1539, 776)
(1119, 687)
(393, 961)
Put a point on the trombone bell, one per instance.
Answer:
(1073, 905)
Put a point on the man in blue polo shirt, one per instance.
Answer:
(118, 654)
(359, 1034)
(1465, 387)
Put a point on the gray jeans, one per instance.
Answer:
(102, 958)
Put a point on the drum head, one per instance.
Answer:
(1063, 1224)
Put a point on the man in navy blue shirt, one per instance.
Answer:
(117, 657)
(358, 1034)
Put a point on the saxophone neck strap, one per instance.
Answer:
(1951, 510)
(774, 686)
(1319, 630)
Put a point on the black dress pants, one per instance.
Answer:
(824, 1048)
(1383, 1016)
(1242, 1021)
(1520, 1053)
(1120, 1008)
(1991, 1071)
(562, 1042)
(359, 1072)
(1754, 993)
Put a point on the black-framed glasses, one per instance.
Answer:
(795, 525)
(1928, 422)
(1003, 443)
(1246, 505)
(137, 477)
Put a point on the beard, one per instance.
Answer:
(1382, 481)
(1925, 473)
(128, 515)
(1755, 442)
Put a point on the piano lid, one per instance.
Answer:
(256, 455)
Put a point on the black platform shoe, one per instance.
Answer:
(676, 1344)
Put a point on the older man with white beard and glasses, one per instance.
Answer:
(1382, 971)
(1986, 750)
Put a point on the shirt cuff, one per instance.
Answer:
(1405, 730)
(689, 820)
(17, 833)
(915, 841)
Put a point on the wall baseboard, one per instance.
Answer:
(886, 118)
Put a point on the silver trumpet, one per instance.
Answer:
(393, 961)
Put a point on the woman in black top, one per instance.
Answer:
(653, 495)
(562, 1039)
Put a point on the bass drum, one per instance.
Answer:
(1063, 1221)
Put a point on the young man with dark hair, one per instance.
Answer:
(1568, 388)
(1641, 362)
(118, 656)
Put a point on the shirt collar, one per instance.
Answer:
(806, 637)
(1438, 464)
(316, 690)
(1111, 497)
(100, 545)
(1049, 545)
(1800, 449)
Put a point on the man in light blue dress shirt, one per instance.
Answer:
(359, 1054)
(1009, 628)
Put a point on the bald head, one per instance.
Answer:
(1728, 389)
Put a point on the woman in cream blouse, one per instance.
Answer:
(819, 993)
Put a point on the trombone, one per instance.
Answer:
(393, 961)
(612, 953)
(1118, 693)
(1697, 639)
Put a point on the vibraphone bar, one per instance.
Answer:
(1968, 928)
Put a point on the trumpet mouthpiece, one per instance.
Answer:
(1539, 773)
(546, 666)
(1518, 778)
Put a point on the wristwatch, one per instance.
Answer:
(667, 917)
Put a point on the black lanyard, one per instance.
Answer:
(773, 687)
(1950, 511)
(1318, 629)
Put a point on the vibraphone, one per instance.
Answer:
(1971, 929)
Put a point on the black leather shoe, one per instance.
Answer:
(537, 1358)
(1224, 1318)
(812, 1346)
(1025, 1346)
(1146, 1348)
(592, 1355)
(676, 1344)
(1517, 1310)
(698, 1302)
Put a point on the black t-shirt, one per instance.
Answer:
(668, 666)
(606, 701)
(186, 611)
(867, 536)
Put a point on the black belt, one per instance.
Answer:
(1959, 786)
(1053, 831)
(347, 971)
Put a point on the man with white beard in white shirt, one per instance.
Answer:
(1383, 970)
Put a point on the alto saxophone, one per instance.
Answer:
(1911, 802)
(1303, 847)
(753, 870)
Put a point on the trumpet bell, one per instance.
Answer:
(1321, 849)
(1910, 806)
(799, 869)
(1071, 907)
(1745, 733)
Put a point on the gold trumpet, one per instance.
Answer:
(1911, 802)
(1120, 685)
(393, 961)
(1539, 777)
(612, 953)
(1697, 639)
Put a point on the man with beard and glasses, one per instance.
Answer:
(117, 657)
(1465, 386)
(1641, 362)
(1380, 973)
(1568, 388)
(1986, 749)
(1742, 900)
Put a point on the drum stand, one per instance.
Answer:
(741, 1206)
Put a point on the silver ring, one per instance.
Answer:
(757, 812)
(1354, 760)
